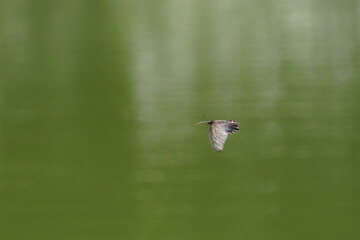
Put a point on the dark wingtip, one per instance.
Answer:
(233, 127)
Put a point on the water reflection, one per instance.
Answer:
(278, 77)
(99, 101)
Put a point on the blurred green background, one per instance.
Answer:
(98, 101)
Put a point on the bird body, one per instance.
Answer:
(219, 131)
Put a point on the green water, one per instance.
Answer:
(98, 101)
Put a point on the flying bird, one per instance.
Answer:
(219, 131)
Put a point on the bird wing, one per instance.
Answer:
(229, 126)
(219, 131)
(217, 136)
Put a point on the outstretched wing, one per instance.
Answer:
(218, 132)
(217, 136)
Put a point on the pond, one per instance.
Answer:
(98, 103)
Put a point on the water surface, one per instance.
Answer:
(98, 103)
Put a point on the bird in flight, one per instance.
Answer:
(219, 131)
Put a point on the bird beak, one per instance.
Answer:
(201, 122)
